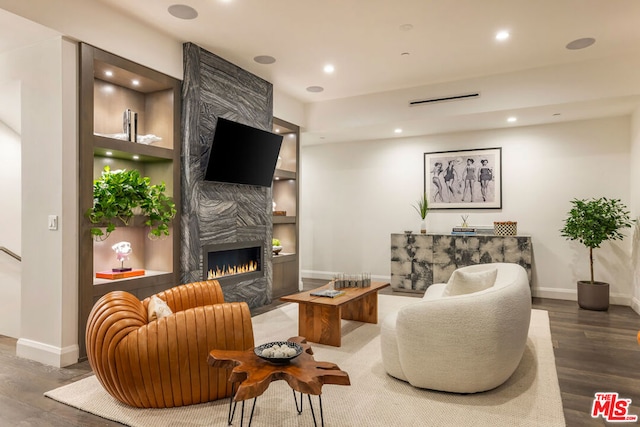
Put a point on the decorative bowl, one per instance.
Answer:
(278, 360)
(277, 249)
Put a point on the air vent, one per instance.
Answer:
(443, 99)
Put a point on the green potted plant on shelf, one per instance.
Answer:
(422, 207)
(120, 194)
(277, 247)
(592, 222)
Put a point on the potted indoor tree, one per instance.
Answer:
(120, 195)
(422, 207)
(592, 222)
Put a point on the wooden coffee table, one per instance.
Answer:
(252, 375)
(319, 317)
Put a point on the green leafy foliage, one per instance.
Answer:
(422, 206)
(275, 242)
(594, 221)
(117, 193)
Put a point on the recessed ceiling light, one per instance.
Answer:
(580, 43)
(512, 119)
(406, 27)
(398, 130)
(109, 153)
(277, 130)
(405, 54)
(135, 82)
(108, 73)
(329, 68)
(277, 178)
(182, 11)
(557, 114)
(502, 35)
(264, 59)
(315, 89)
(136, 157)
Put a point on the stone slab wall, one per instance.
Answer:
(217, 212)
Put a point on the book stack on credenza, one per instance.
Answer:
(464, 231)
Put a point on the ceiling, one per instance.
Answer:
(388, 53)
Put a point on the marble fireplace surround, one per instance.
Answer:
(218, 213)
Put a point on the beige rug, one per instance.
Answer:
(531, 397)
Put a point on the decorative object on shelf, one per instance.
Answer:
(422, 207)
(141, 139)
(464, 221)
(276, 246)
(341, 281)
(505, 228)
(464, 231)
(592, 222)
(279, 213)
(130, 124)
(117, 193)
(122, 250)
(464, 179)
(278, 352)
(111, 275)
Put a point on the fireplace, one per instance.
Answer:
(233, 262)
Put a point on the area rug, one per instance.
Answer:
(531, 397)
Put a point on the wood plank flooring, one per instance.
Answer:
(595, 351)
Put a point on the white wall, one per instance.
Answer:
(354, 195)
(635, 206)
(47, 72)
(10, 214)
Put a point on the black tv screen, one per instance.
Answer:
(242, 154)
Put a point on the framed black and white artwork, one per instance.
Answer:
(464, 179)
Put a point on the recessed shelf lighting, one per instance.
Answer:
(108, 73)
(291, 135)
(315, 89)
(329, 68)
(264, 59)
(277, 178)
(182, 11)
(502, 35)
(580, 43)
(136, 157)
(397, 130)
(277, 130)
(512, 119)
(109, 153)
(135, 82)
(108, 89)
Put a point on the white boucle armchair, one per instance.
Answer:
(461, 342)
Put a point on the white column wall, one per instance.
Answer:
(47, 72)
(354, 195)
(10, 214)
(635, 206)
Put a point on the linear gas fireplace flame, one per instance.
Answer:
(237, 261)
(230, 270)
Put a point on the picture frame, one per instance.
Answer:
(464, 179)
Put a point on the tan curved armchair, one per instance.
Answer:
(163, 363)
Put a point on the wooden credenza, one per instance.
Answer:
(419, 260)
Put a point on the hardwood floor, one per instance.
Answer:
(595, 351)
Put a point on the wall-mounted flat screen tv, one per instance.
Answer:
(242, 154)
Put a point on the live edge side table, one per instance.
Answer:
(251, 376)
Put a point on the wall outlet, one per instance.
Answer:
(53, 222)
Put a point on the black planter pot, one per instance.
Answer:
(593, 296)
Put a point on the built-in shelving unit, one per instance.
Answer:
(286, 271)
(108, 86)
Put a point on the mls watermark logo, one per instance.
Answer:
(612, 408)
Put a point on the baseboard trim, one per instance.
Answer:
(635, 304)
(47, 354)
